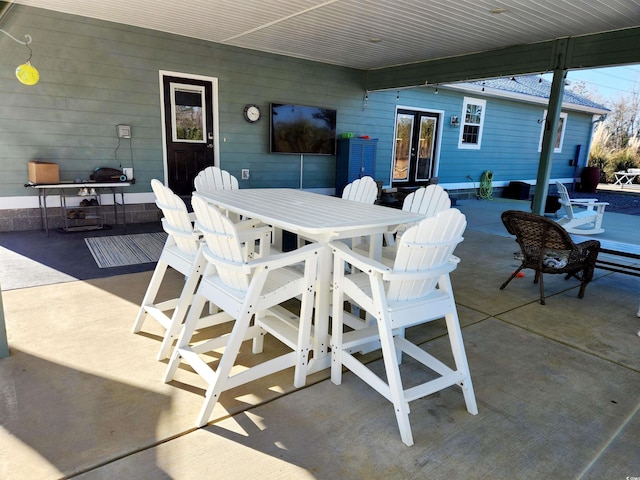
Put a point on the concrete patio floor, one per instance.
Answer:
(558, 387)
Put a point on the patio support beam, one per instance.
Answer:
(594, 50)
(549, 140)
(4, 344)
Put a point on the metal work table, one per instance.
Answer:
(61, 189)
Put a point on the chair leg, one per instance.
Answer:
(227, 361)
(541, 281)
(394, 380)
(150, 294)
(189, 327)
(460, 358)
(180, 312)
(513, 275)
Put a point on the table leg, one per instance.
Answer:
(375, 246)
(44, 212)
(321, 335)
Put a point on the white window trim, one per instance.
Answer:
(564, 117)
(472, 101)
(191, 89)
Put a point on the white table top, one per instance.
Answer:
(319, 217)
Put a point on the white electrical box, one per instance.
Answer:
(124, 131)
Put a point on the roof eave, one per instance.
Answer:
(520, 97)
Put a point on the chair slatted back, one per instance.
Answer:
(536, 234)
(223, 248)
(424, 250)
(565, 200)
(427, 200)
(214, 178)
(364, 190)
(176, 220)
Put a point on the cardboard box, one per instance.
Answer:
(43, 172)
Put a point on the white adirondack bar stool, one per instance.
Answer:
(180, 252)
(214, 178)
(363, 190)
(417, 289)
(428, 201)
(244, 290)
(587, 220)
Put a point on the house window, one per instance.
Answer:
(562, 123)
(472, 121)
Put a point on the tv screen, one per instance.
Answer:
(302, 129)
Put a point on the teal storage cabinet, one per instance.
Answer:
(355, 158)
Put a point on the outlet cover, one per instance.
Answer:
(245, 174)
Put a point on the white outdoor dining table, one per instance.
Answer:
(320, 218)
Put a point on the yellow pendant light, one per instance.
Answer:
(25, 73)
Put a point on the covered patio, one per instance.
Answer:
(556, 385)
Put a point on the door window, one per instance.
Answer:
(188, 109)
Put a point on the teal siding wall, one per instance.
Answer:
(510, 140)
(95, 75)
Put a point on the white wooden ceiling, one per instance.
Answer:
(364, 34)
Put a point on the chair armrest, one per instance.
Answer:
(246, 235)
(249, 223)
(588, 202)
(286, 259)
(443, 269)
(272, 262)
(361, 262)
(588, 245)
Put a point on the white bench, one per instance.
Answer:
(626, 178)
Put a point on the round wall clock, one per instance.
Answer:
(251, 113)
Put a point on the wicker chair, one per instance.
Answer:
(546, 247)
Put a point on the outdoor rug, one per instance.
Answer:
(120, 250)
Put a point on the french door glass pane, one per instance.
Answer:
(425, 151)
(404, 140)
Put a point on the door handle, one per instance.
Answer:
(210, 145)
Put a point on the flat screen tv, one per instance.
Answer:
(302, 129)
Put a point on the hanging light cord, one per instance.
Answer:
(28, 37)
(26, 44)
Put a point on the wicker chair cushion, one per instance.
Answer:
(556, 259)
